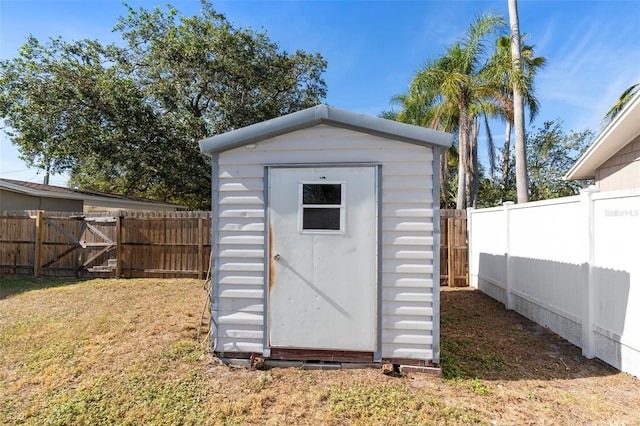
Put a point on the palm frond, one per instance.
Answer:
(624, 98)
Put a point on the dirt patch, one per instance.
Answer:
(532, 375)
(486, 341)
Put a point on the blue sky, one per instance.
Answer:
(373, 48)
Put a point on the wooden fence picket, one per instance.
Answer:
(454, 250)
(117, 244)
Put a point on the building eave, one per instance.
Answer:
(87, 198)
(624, 128)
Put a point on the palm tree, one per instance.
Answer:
(501, 68)
(420, 108)
(522, 183)
(453, 84)
(624, 98)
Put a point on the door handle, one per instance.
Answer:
(276, 257)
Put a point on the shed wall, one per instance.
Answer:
(407, 234)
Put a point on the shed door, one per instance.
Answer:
(322, 284)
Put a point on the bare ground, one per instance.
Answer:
(124, 352)
(534, 376)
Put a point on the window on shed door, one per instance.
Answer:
(322, 206)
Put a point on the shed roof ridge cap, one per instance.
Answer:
(324, 114)
(322, 111)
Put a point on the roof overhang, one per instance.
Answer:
(93, 199)
(323, 114)
(624, 128)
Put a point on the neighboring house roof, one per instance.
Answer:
(90, 197)
(623, 129)
(323, 114)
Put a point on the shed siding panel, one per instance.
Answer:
(243, 279)
(405, 280)
(238, 345)
(407, 225)
(240, 318)
(242, 332)
(407, 240)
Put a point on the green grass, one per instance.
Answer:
(77, 352)
(461, 360)
(102, 352)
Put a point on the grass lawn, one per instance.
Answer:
(125, 352)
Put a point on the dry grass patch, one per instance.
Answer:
(124, 352)
(100, 351)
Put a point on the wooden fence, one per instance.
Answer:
(117, 244)
(454, 249)
(133, 243)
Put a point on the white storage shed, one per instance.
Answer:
(326, 239)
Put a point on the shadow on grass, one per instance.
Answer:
(481, 339)
(12, 285)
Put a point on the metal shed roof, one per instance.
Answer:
(323, 114)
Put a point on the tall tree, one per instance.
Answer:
(518, 106)
(126, 119)
(502, 69)
(456, 82)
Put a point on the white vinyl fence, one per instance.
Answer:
(570, 264)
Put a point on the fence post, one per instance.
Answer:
(37, 257)
(588, 293)
(451, 270)
(200, 248)
(508, 303)
(119, 245)
(471, 281)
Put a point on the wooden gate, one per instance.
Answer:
(74, 244)
(454, 250)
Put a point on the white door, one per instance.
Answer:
(322, 284)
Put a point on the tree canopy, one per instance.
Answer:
(126, 118)
(472, 81)
(448, 93)
(551, 153)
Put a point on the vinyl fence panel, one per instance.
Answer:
(569, 264)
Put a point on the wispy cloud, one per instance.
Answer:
(588, 69)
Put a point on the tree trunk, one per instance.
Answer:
(491, 149)
(462, 178)
(475, 129)
(444, 179)
(463, 147)
(506, 155)
(522, 186)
